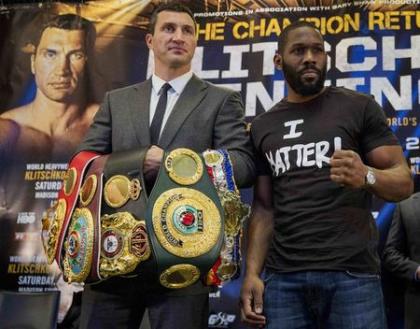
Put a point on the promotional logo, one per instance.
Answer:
(221, 320)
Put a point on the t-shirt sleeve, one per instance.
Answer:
(261, 164)
(376, 130)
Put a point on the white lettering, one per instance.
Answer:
(305, 155)
(292, 125)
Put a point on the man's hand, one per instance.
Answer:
(347, 169)
(152, 162)
(252, 300)
(418, 274)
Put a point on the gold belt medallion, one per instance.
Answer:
(234, 211)
(213, 158)
(119, 189)
(52, 222)
(184, 166)
(70, 181)
(124, 244)
(227, 270)
(179, 276)
(87, 192)
(79, 246)
(186, 222)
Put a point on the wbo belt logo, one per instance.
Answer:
(221, 320)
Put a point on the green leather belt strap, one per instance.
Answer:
(184, 219)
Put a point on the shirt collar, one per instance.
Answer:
(178, 84)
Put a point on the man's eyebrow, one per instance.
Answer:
(302, 44)
(54, 50)
(176, 24)
(82, 49)
(49, 49)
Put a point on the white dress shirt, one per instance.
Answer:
(177, 86)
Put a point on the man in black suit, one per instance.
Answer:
(198, 116)
(402, 254)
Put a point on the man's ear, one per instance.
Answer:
(149, 39)
(278, 61)
(33, 64)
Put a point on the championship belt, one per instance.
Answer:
(219, 168)
(124, 240)
(94, 229)
(184, 220)
(56, 219)
(106, 236)
(81, 246)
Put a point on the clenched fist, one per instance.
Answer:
(348, 169)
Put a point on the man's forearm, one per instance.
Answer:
(260, 231)
(394, 184)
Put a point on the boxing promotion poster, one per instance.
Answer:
(371, 48)
(46, 106)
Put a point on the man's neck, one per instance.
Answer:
(169, 74)
(293, 97)
(55, 109)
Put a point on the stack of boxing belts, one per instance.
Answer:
(104, 223)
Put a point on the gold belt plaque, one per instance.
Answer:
(184, 166)
(213, 159)
(234, 211)
(87, 192)
(227, 270)
(70, 181)
(79, 246)
(124, 244)
(52, 221)
(119, 189)
(179, 276)
(186, 222)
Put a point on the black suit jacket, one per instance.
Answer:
(402, 254)
(204, 117)
(402, 249)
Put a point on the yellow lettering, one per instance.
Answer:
(336, 24)
(206, 31)
(354, 22)
(211, 31)
(253, 27)
(239, 30)
(376, 19)
(407, 18)
(218, 31)
(273, 27)
(392, 20)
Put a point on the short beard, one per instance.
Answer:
(295, 81)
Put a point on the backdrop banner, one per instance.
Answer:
(373, 47)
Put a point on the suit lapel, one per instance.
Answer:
(190, 98)
(140, 112)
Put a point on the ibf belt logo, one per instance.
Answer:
(221, 320)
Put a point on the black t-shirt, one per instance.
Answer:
(319, 225)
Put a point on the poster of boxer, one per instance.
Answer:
(58, 59)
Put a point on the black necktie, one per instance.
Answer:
(159, 113)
